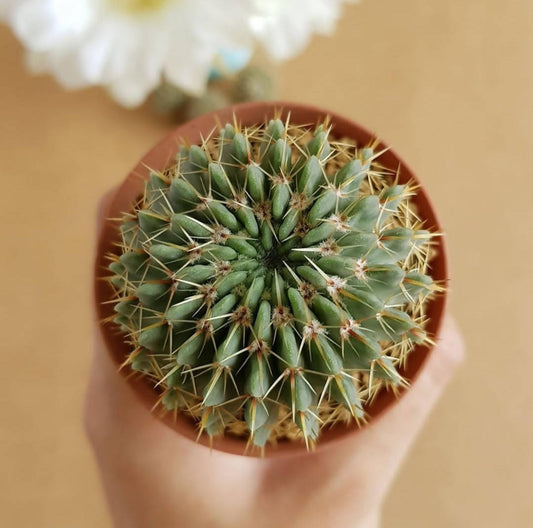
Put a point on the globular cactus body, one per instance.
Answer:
(271, 280)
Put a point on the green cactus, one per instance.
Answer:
(167, 98)
(253, 84)
(272, 281)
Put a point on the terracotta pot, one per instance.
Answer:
(162, 155)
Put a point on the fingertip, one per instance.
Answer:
(447, 355)
(450, 346)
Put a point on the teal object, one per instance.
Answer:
(228, 62)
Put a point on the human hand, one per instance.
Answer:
(154, 478)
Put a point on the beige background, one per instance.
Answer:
(449, 83)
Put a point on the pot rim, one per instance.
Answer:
(158, 158)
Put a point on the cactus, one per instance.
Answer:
(250, 84)
(253, 84)
(167, 98)
(272, 281)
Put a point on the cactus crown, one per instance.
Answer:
(272, 280)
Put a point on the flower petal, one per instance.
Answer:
(90, 42)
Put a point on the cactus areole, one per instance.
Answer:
(273, 278)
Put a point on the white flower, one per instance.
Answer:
(130, 46)
(284, 27)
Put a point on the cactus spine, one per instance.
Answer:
(272, 280)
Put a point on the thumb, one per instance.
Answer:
(391, 434)
(371, 458)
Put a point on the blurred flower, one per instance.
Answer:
(127, 45)
(131, 46)
(284, 27)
